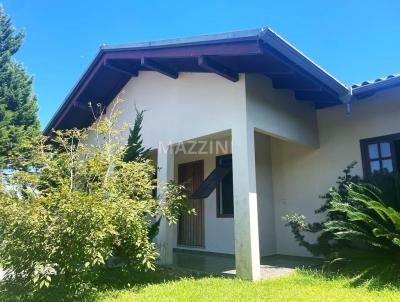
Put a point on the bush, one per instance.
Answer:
(361, 223)
(324, 245)
(369, 224)
(389, 185)
(75, 204)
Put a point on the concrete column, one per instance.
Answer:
(164, 240)
(247, 252)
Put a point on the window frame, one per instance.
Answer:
(218, 190)
(391, 139)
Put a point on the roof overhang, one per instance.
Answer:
(253, 51)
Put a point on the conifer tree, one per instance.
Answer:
(135, 149)
(18, 107)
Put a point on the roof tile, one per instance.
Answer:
(376, 80)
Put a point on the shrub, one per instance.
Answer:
(134, 147)
(361, 223)
(369, 224)
(324, 245)
(389, 185)
(76, 203)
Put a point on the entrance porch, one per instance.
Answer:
(230, 176)
(224, 264)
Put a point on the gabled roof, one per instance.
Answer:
(228, 54)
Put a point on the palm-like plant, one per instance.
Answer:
(370, 223)
(361, 228)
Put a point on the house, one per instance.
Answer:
(257, 129)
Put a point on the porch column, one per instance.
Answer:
(165, 173)
(247, 252)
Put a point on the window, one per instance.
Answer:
(380, 154)
(225, 188)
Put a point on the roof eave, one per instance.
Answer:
(242, 35)
(285, 48)
(66, 102)
(369, 89)
(265, 35)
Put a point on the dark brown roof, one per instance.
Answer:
(259, 51)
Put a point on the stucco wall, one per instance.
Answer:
(266, 212)
(301, 174)
(278, 118)
(301, 157)
(194, 105)
(278, 113)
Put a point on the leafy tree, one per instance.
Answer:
(18, 108)
(78, 205)
(135, 149)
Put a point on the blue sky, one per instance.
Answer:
(353, 40)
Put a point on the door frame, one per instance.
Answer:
(202, 222)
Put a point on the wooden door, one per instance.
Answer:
(191, 227)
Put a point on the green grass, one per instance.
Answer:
(168, 285)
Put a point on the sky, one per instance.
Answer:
(354, 40)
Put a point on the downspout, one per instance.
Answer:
(346, 99)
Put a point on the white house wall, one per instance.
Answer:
(278, 113)
(301, 174)
(276, 116)
(194, 105)
(302, 156)
(266, 213)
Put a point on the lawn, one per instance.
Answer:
(168, 285)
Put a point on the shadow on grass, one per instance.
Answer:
(92, 283)
(375, 274)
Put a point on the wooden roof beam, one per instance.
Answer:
(110, 64)
(155, 66)
(294, 84)
(213, 66)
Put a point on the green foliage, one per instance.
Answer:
(361, 224)
(324, 245)
(389, 184)
(135, 148)
(369, 222)
(174, 196)
(18, 108)
(135, 151)
(76, 204)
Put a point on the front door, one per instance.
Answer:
(191, 227)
